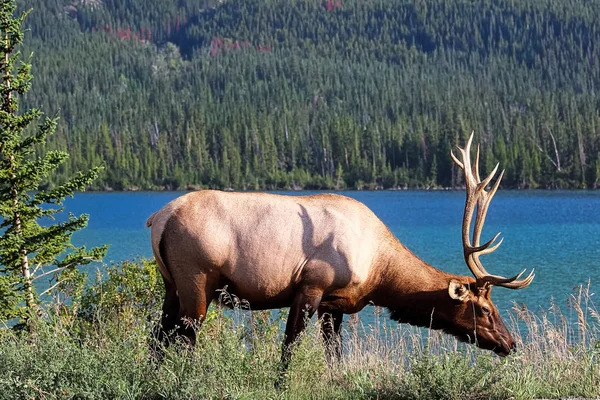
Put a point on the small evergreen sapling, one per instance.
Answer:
(31, 246)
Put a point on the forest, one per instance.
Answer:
(308, 94)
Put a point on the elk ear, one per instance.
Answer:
(458, 291)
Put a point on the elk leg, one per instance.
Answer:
(164, 329)
(303, 308)
(331, 322)
(195, 295)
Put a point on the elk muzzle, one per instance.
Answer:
(497, 339)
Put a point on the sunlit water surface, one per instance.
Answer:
(555, 232)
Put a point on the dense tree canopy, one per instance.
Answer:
(319, 94)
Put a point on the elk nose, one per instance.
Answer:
(509, 345)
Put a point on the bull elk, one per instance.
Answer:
(323, 253)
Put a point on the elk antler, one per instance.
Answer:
(477, 195)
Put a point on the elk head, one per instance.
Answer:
(476, 318)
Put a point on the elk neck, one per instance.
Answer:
(412, 289)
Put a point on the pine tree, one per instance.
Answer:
(31, 246)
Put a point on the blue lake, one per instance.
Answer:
(555, 232)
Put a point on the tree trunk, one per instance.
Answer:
(29, 299)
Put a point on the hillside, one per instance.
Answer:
(319, 94)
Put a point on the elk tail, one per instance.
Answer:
(149, 220)
(158, 247)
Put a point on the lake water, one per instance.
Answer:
(555, 232)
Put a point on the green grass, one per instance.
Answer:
(98, 349)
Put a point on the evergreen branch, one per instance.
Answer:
(30, 173)
(83, 256)
(46, 128)
(78, 182)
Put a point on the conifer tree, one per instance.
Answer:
(31, 245)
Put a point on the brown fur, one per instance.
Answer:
(325, 253)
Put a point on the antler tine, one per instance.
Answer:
(484, 247)
(470, 180)
(511, 283)
(478, 196)
(487, 180)
(485, 251)
(456, 160)
(476, 165)
(483, 202)
(520, 284)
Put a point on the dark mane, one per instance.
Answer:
(420, 320)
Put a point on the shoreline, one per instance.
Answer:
(398, 189)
